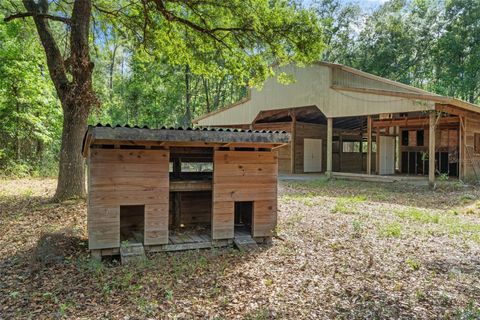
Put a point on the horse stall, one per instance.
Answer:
(174, 189)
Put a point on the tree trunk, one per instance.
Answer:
(71, 175)
(188, 114)
(207, 96)
(76, 93)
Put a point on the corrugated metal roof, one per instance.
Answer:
(217, 129)
(188, 136)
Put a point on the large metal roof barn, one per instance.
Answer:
(347, 122)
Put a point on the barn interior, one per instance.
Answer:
(403, 137)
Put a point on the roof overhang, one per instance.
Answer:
(197, 137)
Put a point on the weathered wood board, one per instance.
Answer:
(119, 177)
(244, 176)
(471, 157)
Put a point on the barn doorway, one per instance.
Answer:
(243, 218)
(132, 223)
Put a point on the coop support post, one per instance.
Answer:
(329, 146)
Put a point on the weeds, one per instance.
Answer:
(347, 205)
(357, 228)
(413, 263)
(390, 230)
(418, 215)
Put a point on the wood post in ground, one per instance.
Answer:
(96, 255)
(369, 145)
(431, 149)
(292, 142)
(329, 146)
(377, 154)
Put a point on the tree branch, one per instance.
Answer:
(39, 15)
(170, 16)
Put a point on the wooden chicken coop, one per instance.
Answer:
(174, 189)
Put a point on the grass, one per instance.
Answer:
(307, 199)
(347, 205)
(418, 215)
(390, 230)
(449, 222)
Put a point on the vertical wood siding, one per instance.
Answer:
(127, 177)
(471, 159)
(244, 176)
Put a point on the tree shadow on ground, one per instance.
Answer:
(58, 273)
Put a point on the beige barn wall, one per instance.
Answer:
(312, 86)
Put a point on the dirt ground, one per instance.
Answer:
(344, 250)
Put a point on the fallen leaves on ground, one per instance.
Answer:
(345, 250)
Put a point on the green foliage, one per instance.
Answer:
(176, 71)
(153, 71)
(30, 113)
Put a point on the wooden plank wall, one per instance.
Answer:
(284, 153)
(195, 208)
(127, 177)
(311, 131)
(471, 160)
(244, 176)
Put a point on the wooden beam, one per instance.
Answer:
(407, 122)
(377, 154)
(460, 150)
(398, 151)
(329, 146)
(454, 110)
(177, 165)
(340, 152)
(190, 185)
(369, 145)
(292, 142)
(431, 149)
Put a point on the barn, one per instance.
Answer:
(349, 123)
(173, 189)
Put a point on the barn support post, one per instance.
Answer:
(329, 146)
(377, 154)
(398, 149)
(369, 145)
(460, 150)
(292, 143)
(431, 149)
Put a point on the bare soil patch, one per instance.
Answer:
(345, 250)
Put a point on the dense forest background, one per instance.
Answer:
(433, 45)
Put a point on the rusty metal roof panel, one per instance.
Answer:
(195, 135)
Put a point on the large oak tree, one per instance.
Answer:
(247, 36)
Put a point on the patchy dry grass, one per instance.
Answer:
(345, 250)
